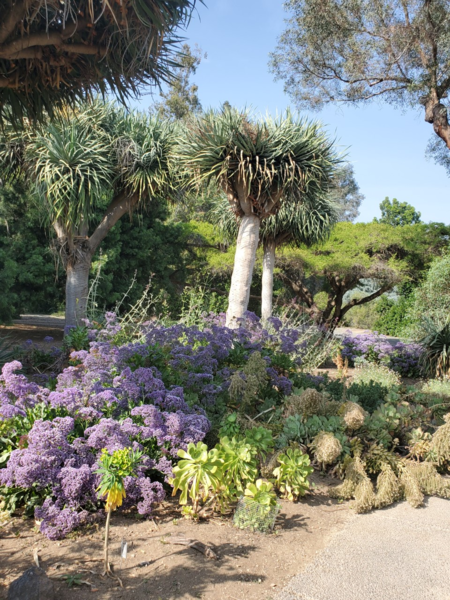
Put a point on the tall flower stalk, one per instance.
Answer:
(113, 470)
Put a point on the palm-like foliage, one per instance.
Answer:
(435, 341)
(54, 52)
(71, 165)
(260, 165)
(297, 222)
(265, 159)
(85, 158)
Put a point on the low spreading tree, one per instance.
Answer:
(321, 279)
(259, 165)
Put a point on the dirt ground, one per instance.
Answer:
(20, 332)
(251, 566)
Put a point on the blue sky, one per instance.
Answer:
(386, 146)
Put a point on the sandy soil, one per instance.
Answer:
(18, 333)
(250, 565)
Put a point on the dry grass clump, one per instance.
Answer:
(311, 402)
(440, 442)
(327, 448)
(388, 487)
(407, 480)
(353, 414)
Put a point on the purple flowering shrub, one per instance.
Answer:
(102, 406)
(400, 357)
(155, 394)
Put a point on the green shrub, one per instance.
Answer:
(369, 395)
(392, 316)
(291, 476)
(435, 341)
(378, 374)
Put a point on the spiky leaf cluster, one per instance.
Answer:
(54, 53)
(259, 163)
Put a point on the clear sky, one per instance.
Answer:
(385, 145)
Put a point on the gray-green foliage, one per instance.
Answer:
(345, 194)
(432, 297)
(246, 385)
(361, 50)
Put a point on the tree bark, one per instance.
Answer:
(244, 261)
(77, 288)
(267, 279)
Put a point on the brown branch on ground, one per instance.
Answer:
(195, 544)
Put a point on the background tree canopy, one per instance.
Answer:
(397, 213)
(399, 50)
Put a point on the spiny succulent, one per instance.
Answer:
(356, 485)
(429, 480)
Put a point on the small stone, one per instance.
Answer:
(32, 585)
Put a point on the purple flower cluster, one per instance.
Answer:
(373, 347)
(17, 393)
(149, 395)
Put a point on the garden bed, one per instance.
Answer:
(251, 565)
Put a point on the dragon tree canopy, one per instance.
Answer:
(54, 52)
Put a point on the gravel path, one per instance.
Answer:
(399, 553)
(41, 321)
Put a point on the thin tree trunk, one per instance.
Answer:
(77, 288)
(244, 261)
(267, 279)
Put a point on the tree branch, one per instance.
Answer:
(120, 205)
(369, 298)
(14, 14)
